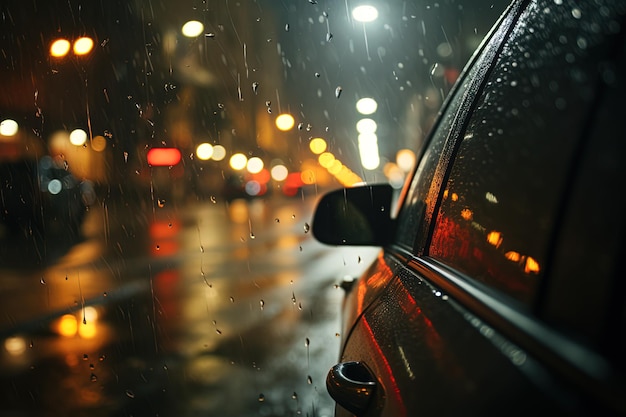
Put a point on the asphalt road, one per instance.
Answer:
(203, 308)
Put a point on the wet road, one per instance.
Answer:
(204, 308)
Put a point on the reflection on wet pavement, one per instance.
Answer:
(217, 309)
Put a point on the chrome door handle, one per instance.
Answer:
(351, 385)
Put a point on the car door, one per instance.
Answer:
(465, 325)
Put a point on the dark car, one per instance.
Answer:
(500, 288)
(41, 197)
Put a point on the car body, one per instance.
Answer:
(40, 196)
(499, 289)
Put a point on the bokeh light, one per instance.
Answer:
(78, 137)
(254, 165)
(8, 127)
(366, 105)
(279, 172)
(238, 161)
(82, 46)
(219, 153)
(204, 151)
(60, 47)
(192, 29)
(365, 13)
(285, 122)
(317, 145)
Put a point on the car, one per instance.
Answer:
(499, 287)
(41, 197)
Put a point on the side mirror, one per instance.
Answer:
(359, 216)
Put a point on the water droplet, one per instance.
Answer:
(338, 91)
(93, 377)
(130, 394)
(307, 227)
(232, 299)
(252, 236)
(277, 220)
(299, 306)
(317, 75)
(329, 36)
(101, 358)
(158, 247)
(213, 199)
(293, 297)
(42, 281)
(262, 304)
(307, 342)
(255, 87)
(300, 247)
(201, 249)
(209, 35)
(337, 334)
(125, 156)
(359, 260)
(218, 331)
(287, 27)
(309, 380)
(261, 398)
(161, 203)
(294, 395)
(85, 357)
(105, 294)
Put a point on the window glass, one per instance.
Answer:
(502, 197)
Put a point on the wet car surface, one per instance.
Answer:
(499, 289)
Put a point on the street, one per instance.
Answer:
(202, 308)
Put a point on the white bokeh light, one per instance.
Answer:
(365, 13)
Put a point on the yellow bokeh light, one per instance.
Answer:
(532, 266)
(326, 159)
(15, 345)
(59, 48)
(82, 46)
(87, 329)
(67, 325)
(513, 256)
(308, 176)
(99, 143)
(8, 127)
(238, 161)
(78, 137)
(467, 214)
(204, 151)
(317, 145)
(405, 158)
(285, 122)
(192, 29)
(335, 167)
(494, 238)
(219, 153)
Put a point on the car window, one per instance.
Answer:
(502, 199)
(419, 203)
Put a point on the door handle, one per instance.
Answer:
(351, 385)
